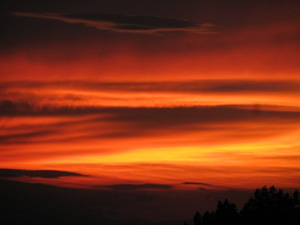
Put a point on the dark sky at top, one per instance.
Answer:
(227, 18)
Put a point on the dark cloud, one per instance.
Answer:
(23, 137)
(124, 23)
(195, 86)
(11, 173)
(196, 183)
(9, 108)
(205, 186)
(114, 123)
(132, 187)
(180, 116)
(155, 116)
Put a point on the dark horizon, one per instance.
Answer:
(34, 203)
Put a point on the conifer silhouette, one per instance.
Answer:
(266, 206)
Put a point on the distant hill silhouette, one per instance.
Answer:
(265, 207)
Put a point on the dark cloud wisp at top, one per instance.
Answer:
(125, 23)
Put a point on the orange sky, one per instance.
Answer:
(214, 103)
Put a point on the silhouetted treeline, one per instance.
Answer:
(266, 206)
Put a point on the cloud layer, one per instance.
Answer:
(165, 108)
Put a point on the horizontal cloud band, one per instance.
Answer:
(194, 86)
(131, 187)
(11, 173)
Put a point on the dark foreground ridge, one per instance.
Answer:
(266, 206)
(39, 204)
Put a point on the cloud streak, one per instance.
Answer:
(194, 86)
(196, 183)
(13, 173)
(148, 94)
(134, 187)
(125, 23)
(155, 116)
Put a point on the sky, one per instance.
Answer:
(151, 95)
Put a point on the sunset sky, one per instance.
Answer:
(163, 95)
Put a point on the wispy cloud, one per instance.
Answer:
(131, 187)
(194, 86)
(125, 23)
(148, 93)
(23, 137)
(12, 173)
(196, 183)
(155, 117)
(152, 115)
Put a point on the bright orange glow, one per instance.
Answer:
(222, 109)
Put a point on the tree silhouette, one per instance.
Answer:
(197, 219)
(271, 206)
(266, 206)
(227, 213)
(209, 218)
